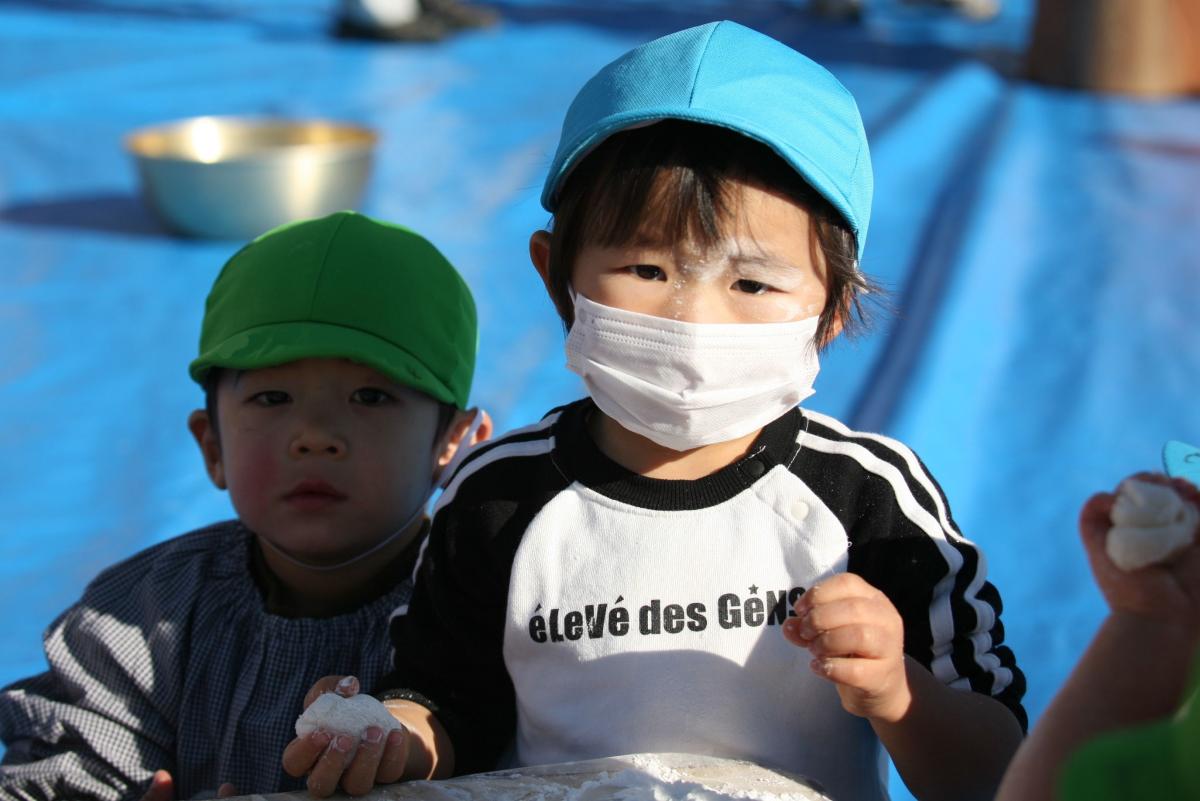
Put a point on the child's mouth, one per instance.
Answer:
(312, 495)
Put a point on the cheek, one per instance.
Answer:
(252, 472)
(781, 309)
(397, 470)
(632, 294)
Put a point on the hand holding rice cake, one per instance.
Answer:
(1150, 524)
(351, 716)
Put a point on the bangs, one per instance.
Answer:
(671, 182)
(653, 205)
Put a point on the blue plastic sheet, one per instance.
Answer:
(1040, 247)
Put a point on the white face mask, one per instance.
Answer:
(684, 385)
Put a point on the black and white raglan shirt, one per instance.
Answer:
(592, 611)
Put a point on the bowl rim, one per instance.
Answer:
(362, 137)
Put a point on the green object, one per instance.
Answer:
(1158, 762)
(344, 286)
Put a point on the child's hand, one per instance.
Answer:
(856, 638)
(357, 766)
(1166, 593)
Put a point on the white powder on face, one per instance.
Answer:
(333, 714)
(1150, 524)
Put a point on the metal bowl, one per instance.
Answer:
(237, 177)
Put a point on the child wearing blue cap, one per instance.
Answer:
(686, 561)
(336, 356)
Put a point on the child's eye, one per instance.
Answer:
(371, 396)
(751, 287)
(270, 397)
(648, 272)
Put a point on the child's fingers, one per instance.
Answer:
(359, 778)
(328, 684)
(850, 611)
(1187, 490)
(226, 790)
(839, 587)
(1094, 519)
(791, 632)
(846, 671)
(395, 757)
(302, 753)
(324, 777)
(863, 642)
(162, 787)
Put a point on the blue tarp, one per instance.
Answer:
(1040, 246)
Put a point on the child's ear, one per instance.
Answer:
(835, 328)
(205, 433)
(539, 254)
(455, 435)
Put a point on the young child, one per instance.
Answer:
(337, 356)
(686, 561)
(1109, 732)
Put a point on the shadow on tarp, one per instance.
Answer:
(114, 213)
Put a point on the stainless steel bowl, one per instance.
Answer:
(237, 177)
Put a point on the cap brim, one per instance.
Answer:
(280, 343)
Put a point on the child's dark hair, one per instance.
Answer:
(669, 182)
(212, 379)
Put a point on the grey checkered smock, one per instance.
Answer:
(170, 661)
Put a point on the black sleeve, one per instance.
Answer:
(904, 541)
(909, 547)
(449, 641)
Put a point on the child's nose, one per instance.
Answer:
(700, 304)
(317, 440)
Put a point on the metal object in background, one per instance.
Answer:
(235, 177)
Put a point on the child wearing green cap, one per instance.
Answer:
(1126, 724)
(687, 561)
(337, 356)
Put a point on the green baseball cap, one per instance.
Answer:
(344, 286)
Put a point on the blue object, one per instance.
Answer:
(726, 74)
(1181, 460)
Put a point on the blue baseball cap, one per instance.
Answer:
(726, 74)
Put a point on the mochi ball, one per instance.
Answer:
(1150, 524)
(334, 714)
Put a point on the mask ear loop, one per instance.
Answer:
(456, 460)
